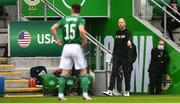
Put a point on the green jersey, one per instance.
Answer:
(70, 29)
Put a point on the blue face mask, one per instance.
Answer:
(161, 47)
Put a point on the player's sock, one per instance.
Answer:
(61, 95)
(86, 96)
(62, 82)
(84, 83)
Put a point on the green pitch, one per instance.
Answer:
(99, 99)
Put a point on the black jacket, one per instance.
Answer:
(159, 61)
(169, 19)
(120, 46)
(132, 54)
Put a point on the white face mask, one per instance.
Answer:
(161, 47)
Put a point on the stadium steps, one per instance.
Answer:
(4, 61)
(22, 90)
(7, 66)
(4, 66)
(14, 84)
(22, 83)
(11, 75)
(3, 58)
(18, 81)
(156, 22)
(23, 95)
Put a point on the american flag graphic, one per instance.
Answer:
(24, 39)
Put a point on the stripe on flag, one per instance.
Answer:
(24, 39)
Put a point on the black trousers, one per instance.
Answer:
(155, 82)
(126, 73)
(127, 76)
(119, 79)
(171, 25)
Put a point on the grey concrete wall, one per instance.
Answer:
(11, 12)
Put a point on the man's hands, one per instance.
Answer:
(54, 33)
(129, 43)
(59, 42)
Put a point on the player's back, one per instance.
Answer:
(70, 29)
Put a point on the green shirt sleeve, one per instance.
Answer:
(82, 21)
(60, 23)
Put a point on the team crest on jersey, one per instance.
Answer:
(67, 4)
(32, 4)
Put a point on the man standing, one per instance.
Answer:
(73, 32)
(121, 57)
(132, 58)
(157, 67)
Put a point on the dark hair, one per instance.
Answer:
(76, 8)
(173, 1)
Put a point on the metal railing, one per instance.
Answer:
(170, 7)
(166, 12)
(88, 36)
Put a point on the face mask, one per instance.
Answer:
(161, 47)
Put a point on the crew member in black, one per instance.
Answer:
(171, 23)
(158, 67)
(132, 54)
(120, 57)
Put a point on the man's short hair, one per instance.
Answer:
(76, 8)
(122, 19)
